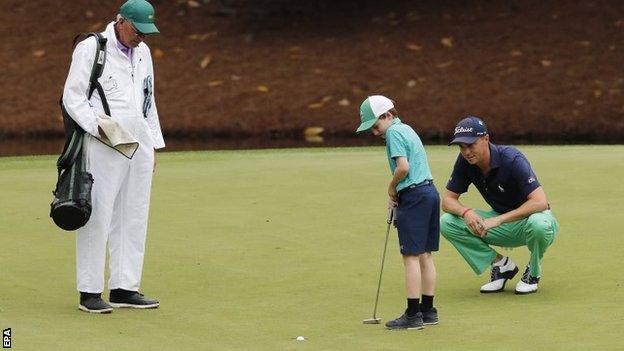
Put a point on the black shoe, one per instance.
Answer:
(430, 317)
(405, 322)
(120, 298)
(93, 303)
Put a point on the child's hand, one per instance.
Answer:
(394, 195)
(392, 204)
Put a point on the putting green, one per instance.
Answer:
(249, 249)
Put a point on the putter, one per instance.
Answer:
(375, 319)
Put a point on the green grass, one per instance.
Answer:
(249, 249)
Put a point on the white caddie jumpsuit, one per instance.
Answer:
(121, 187)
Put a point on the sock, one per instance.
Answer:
(413, 307)
(501, 262)
(427, 303)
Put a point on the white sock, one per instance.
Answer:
(501, 262)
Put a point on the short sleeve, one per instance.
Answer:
(524, 176)
(396, 144)
(459, 181)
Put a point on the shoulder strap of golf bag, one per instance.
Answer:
(73, 132)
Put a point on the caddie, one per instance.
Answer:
(121, 189)
(520, 213)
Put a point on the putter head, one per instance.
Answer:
(372, 321)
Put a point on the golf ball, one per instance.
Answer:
(300, 338)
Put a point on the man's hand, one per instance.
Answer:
(490, 223)
(475, 223)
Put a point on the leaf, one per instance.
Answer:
(215, 83)
(515, 53)
(411, 83)
(262, 88)
(193, 3)
(546, 63)
(448, 42)
(38, 53)
(313, 131)
(344, 102)
(89, 14)
(314, 139)
(326, 98)
(413, 47)
(205, 61)
(158, 53)
(444, 64)
(315, 105)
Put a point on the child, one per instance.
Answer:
(416, 205)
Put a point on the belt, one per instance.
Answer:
(414, 186)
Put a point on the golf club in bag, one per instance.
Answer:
(376, 320)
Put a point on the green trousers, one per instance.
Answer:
(536, 232)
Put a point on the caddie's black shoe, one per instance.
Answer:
(430, 317)
(120, 298)
(528, 283)
(405, 322)
(93, 303)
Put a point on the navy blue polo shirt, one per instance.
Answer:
(505, 187)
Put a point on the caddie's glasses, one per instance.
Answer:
(136, 31)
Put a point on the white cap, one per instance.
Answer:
(370, 110)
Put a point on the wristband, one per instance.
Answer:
(465, 211)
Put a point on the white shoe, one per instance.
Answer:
(528, 283)
(499, 276)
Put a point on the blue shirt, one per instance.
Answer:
(402, 141)
(505, 187)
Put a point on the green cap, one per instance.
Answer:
(370, 110)
(141, 14)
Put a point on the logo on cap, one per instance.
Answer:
(468, 130)
(463, 130)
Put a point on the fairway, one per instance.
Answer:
(247, 250)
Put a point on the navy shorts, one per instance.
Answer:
(418, 219)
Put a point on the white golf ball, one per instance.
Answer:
(300, 338)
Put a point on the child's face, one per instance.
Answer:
(382, 124)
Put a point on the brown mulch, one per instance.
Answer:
(534, 70)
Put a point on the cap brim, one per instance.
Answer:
(366, 126)
(146, 28)
(464, 140)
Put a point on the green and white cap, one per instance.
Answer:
(141, 14)
(370, 110)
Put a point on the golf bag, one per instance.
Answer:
(71, 207)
